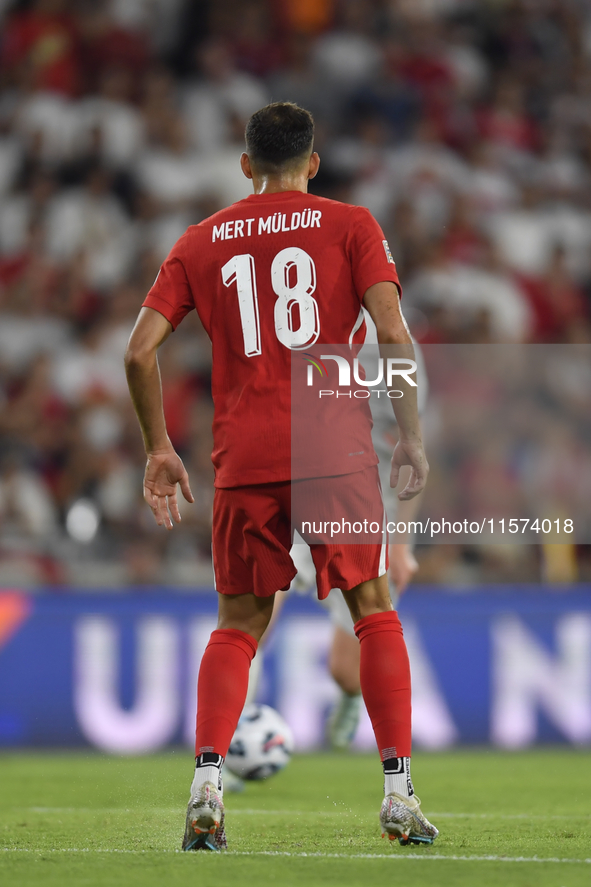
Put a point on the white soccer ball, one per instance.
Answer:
(262, 744)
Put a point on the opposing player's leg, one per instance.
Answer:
(221, 692)
(343, 659)
(343, 663)
(385, 685)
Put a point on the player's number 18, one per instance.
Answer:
(241, 270)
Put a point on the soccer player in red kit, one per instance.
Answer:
(244, 270)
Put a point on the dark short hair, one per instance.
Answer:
(278, 134)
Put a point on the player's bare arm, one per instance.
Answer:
(164, 468)
(382, 300)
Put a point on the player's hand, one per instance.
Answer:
(403, 565)
(410, 452)
(163, 472)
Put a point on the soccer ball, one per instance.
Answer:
(262, 744)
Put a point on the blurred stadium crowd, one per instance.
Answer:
(464, 125)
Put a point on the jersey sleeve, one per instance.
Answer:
(171, 292)
(371, 259)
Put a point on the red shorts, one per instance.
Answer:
(253, 533)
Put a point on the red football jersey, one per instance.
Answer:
(270, 275)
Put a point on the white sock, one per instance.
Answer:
(207, 769)
(397, 777)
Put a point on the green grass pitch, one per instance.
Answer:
(511, 819)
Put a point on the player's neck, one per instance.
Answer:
(273, 184)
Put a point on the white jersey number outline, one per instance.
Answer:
(241, 269)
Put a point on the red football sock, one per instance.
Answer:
(221, 688)
(385, 682)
